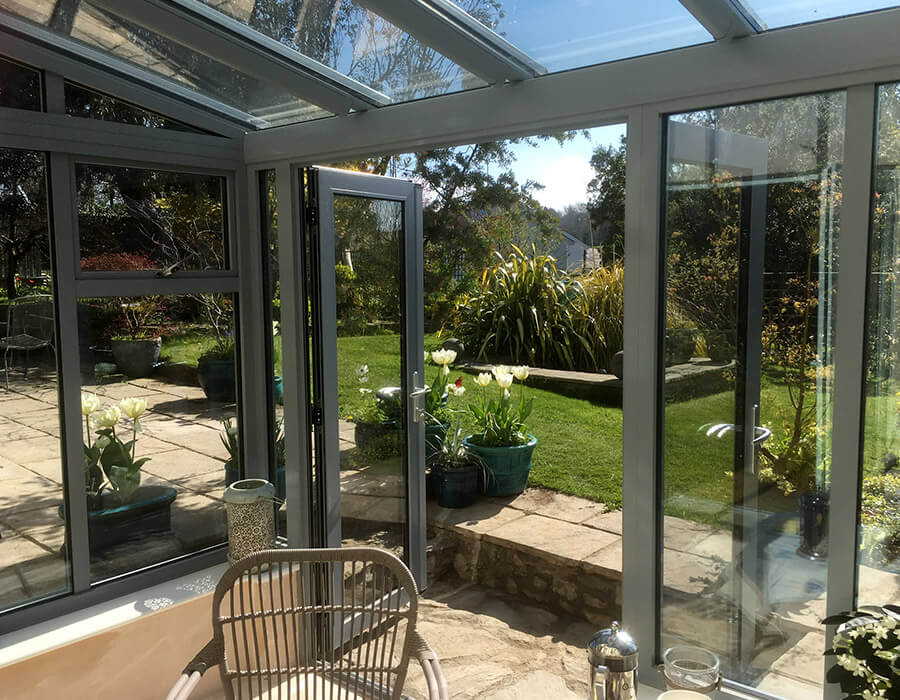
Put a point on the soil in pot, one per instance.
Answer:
(458, 487)
(216, 376)
(136, 358)
(507, 467)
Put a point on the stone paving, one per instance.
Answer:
(181, 432)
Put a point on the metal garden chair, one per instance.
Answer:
(29, 327)
(276, 635)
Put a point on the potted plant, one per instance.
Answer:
(866, 648)
(457, 474)
(233, 463)
(501, 440)
(215, 367)
(437, 416)
(119, 508)
(136, 345)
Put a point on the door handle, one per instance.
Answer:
(415, 394)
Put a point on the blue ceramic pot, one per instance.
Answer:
(507, 467)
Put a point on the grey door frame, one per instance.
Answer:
(325, 184)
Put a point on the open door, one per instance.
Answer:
(364, 237)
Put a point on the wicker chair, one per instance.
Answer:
(274, 638)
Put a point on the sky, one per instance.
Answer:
(564, 170)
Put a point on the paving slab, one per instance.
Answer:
(42, 526)
(36, 449)
(380, 509)
(28, 571)
(482, 517)
(181, 464)
(48, 468)
(555, 505)
(198, 521)
(28, 493)
(609, 559)
(552, 539)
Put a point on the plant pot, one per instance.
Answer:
(507, 467)
(456, 488)
(216, 376)
(813, 525)
(278, 390)
(136, 358)
(434, 440)
(111, 522)
(680, 344)
(102, 355)
(720, 346)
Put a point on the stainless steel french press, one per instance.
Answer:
(613, 656)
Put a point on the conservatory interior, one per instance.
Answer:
(282, 240)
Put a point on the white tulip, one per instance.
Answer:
(445, 370)
(454, 390)
(499, 369)
(90, 403)
(133, 407)
(444, 358)
(520, 372)
(504, 380)
(483, 379)
(427, 356)
(108, 418)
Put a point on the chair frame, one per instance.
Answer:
(260, 567)
(6, 343)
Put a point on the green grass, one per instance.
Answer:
(185, 348)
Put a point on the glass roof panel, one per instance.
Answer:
(104, 30)
(778, 13)
(356, 42)
(576, 33)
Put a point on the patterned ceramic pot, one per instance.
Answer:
(249, 505)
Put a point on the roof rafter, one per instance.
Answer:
(103, 71)
(460, 37)
(725, 19)
(214, 34)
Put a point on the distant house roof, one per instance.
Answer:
(569, 252)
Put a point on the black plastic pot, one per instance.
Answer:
(457, 487)
(216, 376)
(813, 525)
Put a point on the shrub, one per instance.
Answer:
(880, 517)
(526, 310)
(604, 311)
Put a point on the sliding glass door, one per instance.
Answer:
(752, 215)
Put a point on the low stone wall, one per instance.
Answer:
(578, 588)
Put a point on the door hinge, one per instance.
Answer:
(315, 415)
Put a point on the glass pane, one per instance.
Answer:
(106, 31)
(84, 102)
(879, 556)
(752, 198)
(20, 87)
(137, 219)
(33, 561)
(357, 42)
(161, 370)
(777, 13)
(576, 33)
(369, 271)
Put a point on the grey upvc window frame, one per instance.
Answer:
(65, 142)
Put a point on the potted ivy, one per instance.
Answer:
(866, 649)
(501, 440)
(119, 507)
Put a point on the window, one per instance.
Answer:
(139, 219)
(879, 533)
(33, 559)
(84, 102)
(20, 87)
(159, 385)
(753, 202)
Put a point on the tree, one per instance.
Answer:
(575, 220)
(23, 210)
(606, 199)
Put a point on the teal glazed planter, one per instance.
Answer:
(507, 467)
(217, 379)
(278, 390)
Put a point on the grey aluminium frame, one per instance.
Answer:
(329, 184)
